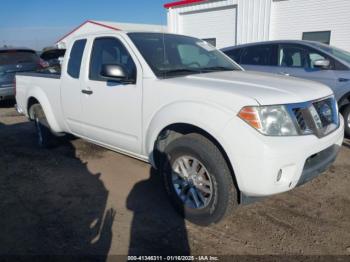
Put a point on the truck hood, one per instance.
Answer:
(265, 88)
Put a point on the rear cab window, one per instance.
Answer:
(75, 58)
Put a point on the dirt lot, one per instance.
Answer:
(82, 199)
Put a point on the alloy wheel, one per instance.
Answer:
(192, 182)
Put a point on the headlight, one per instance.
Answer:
(269, 120)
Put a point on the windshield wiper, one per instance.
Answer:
(217, 69)
(180, 71)
(184, 71)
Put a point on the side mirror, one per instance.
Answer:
(114, 72)
(322, 63)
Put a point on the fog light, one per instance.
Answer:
(279, 175)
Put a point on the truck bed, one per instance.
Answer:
(45, 88)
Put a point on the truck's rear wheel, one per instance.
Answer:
(45, 137)
(346, 115)
(198, 179)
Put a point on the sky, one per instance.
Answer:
(39, 23)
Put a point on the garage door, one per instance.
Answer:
(218, 25)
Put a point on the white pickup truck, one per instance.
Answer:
(218, 135)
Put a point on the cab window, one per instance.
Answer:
(75, 58)
(106, 51)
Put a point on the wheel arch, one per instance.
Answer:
(175, 130)
(38, 98)
(208, 117)
(172, 131)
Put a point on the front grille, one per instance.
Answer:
(316, 117)
(300, 119)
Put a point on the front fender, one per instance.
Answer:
(39, 95)
(208, 117)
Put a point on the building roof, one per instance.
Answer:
(115, 26)
(86, 22)
(182, 3)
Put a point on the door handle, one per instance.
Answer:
(87, 92)
(343, 80)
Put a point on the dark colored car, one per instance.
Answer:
(12, 61)
(304, 59)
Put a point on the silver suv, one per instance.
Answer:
(304, 59)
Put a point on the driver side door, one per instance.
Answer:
(112, 110)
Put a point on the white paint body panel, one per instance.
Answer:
(209, 101)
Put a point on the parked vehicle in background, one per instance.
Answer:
(12, 61)
(304, 59)
(218, 135)
(54, 58)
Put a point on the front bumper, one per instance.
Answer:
(319, 163)
(266, 165)
(314, 166)
(6, 92)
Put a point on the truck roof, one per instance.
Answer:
(124, 32)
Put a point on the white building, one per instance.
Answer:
(90, 26)
(231, 22)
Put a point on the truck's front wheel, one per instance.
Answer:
(44, 134)
(198, 179)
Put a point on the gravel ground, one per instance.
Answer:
(81, 199)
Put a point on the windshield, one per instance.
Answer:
(172, 55)
(13, 57)
(337, 52)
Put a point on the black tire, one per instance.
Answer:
(224, 197)
(45, 138)
(346, 114)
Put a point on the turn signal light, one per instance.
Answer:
(251, 116)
